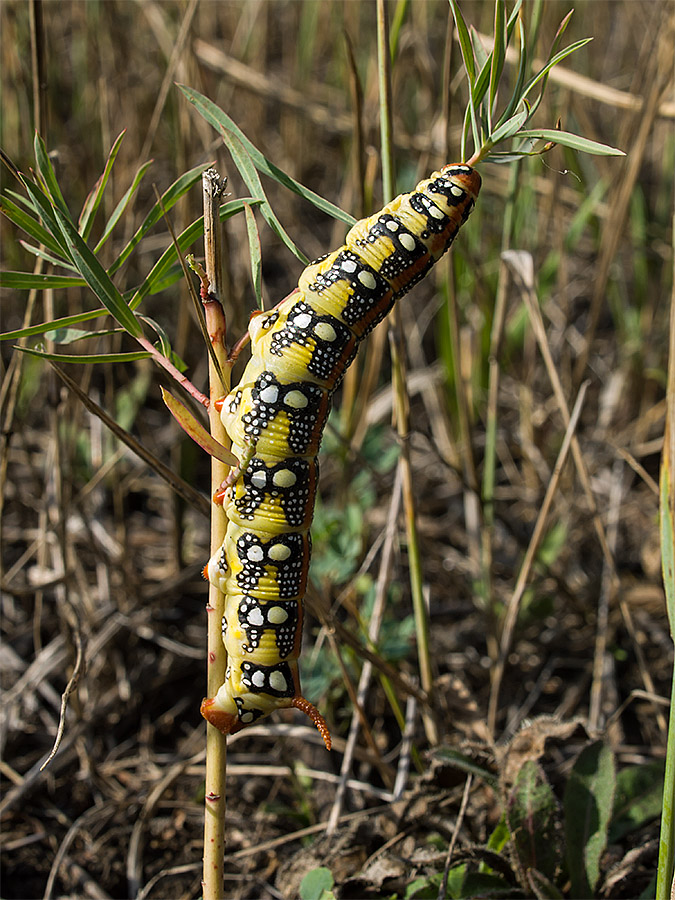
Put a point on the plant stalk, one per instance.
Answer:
(399, 378)
(216, 743)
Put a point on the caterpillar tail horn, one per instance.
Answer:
(227, 723)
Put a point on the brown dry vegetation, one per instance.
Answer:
(100, 558)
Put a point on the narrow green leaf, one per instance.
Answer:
(249, 174)
(574, 141)
(46, 170)
(516, 96)
(122, 205)
(169, 198)
(91, 204)
(220, 120)
(73, 335)
(87, 360)
(509, 128)
(27, 223)
(158, 277)
(97, 278)
(498, 56)
(165, 344)
(513, 18)
(44, 327)
(464, 42)
(255, 254)
(44, 208)
(588, 802)
(25, 281)
(196, 430)
(480, 54)
(543, 73)
(48, 257)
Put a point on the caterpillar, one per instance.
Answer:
(275, 417)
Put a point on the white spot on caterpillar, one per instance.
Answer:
(284, 478)
(348, 265)
(246, 717)
(279, 552)
(392, 225)
(367, 279)
(269, 394)
(296, 400)
(276, 615)
(258, 679)
(456, 191)
(325, 331)
(277, 681)
(254, 554)
(302, 320)
(259, 479)
(407, 241)
(435, 212)
(255, 617)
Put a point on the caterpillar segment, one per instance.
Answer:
(275, 418)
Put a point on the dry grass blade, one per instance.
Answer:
(73, 680)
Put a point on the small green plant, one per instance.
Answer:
(547, 844)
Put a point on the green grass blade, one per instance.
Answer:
(26, 281)
(96, 277)
(666, 863)
(93, 201)
(222, 122)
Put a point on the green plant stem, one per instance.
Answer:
(490, 457)
(400, 394)
(666, 865)
(216, 743)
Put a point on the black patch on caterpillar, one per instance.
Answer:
(436, 219)
(256, 617)
(287, 553)
(247, 715)
(277, 680)
(368, 289)
(269, 397)
(304, 325)
(261, 480)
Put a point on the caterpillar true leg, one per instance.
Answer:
(275, 418)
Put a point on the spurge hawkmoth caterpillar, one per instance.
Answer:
(275, 417)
